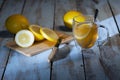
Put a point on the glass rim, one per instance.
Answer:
(91, 16)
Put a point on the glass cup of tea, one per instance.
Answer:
(88, 32)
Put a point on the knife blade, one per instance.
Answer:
(54, 50)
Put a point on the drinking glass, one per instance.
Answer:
(88, 32)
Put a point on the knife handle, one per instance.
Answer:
(52, 54)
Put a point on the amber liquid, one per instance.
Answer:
(86, 37)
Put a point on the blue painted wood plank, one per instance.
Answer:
(40, 12)
(93, 68)
(35, 67)
(110, 57)
(4, 54)
(71, 66)
(9, 7)
(21, 67)
(114, 6)
(110, 53)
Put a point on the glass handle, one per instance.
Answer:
(103, 35)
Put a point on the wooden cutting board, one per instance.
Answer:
(38, 47)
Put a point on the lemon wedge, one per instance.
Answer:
(24, 38)
(49, 34)
(35, 29)
(81, 31)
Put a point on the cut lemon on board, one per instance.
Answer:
(24, 38)
(49, 34)
(81, 31)
(35, 29)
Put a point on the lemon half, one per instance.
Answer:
(24, 38)
(35, 29)
(49, 34)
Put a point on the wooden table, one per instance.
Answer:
(98, 63)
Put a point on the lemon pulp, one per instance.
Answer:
(24, 38)
(49, 34)
(35, 29)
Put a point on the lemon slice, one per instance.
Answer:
(24, 38)
(35, 29)
(81, 31)
(49, 34)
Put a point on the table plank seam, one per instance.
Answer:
(84, 65)
(2, 78)
(54, 15)
(113, 16)
(23, 7)
(2, 5)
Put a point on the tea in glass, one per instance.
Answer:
(85, 34)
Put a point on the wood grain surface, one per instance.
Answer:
(7, 9)
(110, 52)
(40, 12)
(116, 11)
(110, 56)
(36, 67)
(1, 2)
(4, 55)
(71, 64)
(93, 67)
(101, 62)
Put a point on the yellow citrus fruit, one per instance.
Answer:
(16, 22)
(68, 17)
(24, 38)
(81, 31)
(35, 29)
(86, 35)
(49, 34)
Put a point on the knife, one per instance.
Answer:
(54, 50)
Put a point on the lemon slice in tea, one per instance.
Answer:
(24, 38)
(49, 34)
(35, 29)
(82, 31)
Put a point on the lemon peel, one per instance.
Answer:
(16, 22)
(68, 17)
(35, 29)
